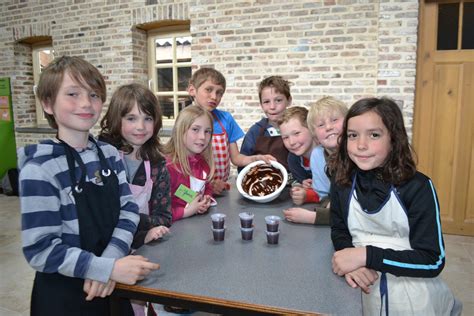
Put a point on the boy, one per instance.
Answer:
(264, 136)
(206, 87)
(299, 142)
(325, 120)
(78, 216)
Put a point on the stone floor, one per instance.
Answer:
(17, 276)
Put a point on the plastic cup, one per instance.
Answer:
(272, 237)
(273, 222)
(246, 219)
(218, 234)
(247, 233)
(218, 220)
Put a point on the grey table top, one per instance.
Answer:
(295, 274)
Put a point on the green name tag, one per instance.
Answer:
(185, 193)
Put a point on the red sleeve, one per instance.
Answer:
(311, 196)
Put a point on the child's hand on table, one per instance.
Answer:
(307, 183)
(130, 269)
(348, 260)
(299, 215)
(219, 186)
(155, 233)
(298, 194)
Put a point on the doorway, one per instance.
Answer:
(443, 132)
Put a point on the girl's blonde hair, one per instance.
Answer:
(324, 107)
(175, 148)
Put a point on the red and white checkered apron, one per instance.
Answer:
(220, 153)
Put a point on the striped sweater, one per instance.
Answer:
(50, 230)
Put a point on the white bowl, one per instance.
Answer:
(265, 198)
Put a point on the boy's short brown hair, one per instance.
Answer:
(298, 112)
(325, 106)
(278, 83)
(81, 71)
(205, 73)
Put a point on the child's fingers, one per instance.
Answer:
(87, 285)
(350, 281)
(94, 289)
(108, 289)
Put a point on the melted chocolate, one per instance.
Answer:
(262, 180)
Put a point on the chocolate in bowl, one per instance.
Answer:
(262, 180)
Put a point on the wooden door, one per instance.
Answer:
(443, 132)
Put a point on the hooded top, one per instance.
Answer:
(50, 230)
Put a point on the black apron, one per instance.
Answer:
(272, 145)
(98, 210)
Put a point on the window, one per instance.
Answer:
(455, 24)
(43, 54)
(169, 68)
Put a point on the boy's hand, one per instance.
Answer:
(155, 233)
(299, 215)
(363, 278)
(348, 260)
(95, 288)
(266, 158)
(130, 269)
(298, 195)
(218, 186)
(307, 183)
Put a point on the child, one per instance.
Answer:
(264, 136)
(325, 118)
(386, 227)
(299, 142)
(78, 216)
(206, 87)
(189, 162)
(131, 124)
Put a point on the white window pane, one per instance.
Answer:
(183, 49)
(164, 50)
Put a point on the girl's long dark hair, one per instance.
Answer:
(122, 102)
(400, 164)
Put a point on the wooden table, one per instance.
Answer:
(245, 277)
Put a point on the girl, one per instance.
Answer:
(189, 161)
(131, 124)
(386, 226)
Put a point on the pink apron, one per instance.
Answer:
(220, 153)
(142, 194)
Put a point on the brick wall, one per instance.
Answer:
(345, 48)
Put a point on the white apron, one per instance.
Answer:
(388, 228)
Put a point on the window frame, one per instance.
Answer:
(35, 50)
(174, 32)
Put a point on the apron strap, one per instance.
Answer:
(383, 293)
(103, 162)
(72, 156)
